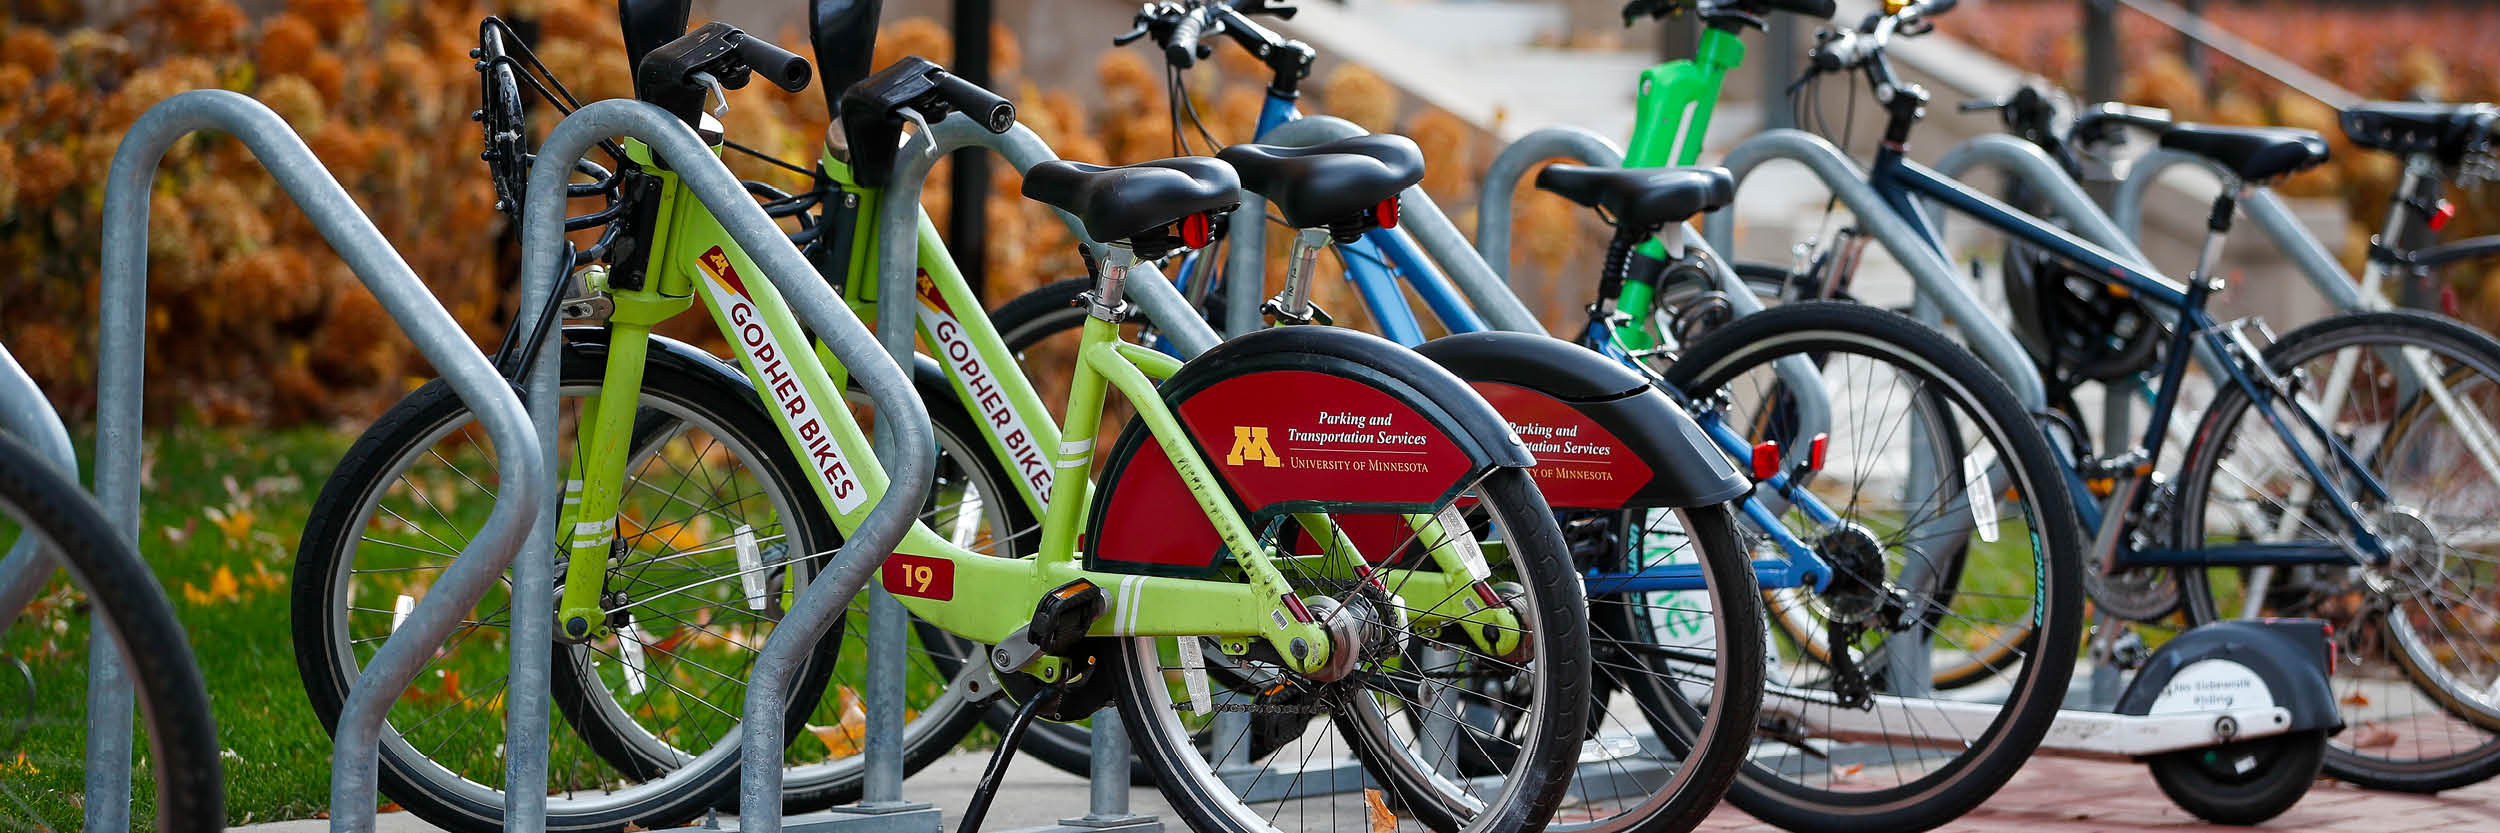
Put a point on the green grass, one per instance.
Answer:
(221, 518)
(214, 502)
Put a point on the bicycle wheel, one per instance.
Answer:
(1686, 666)
(1677, 674)
(1950, 537)
(1283, 768)
(2418, 639)
(653, 703)
(43, 671)
(1772, 285)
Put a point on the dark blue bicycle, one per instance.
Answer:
(2345, 450)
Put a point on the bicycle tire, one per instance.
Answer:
(727, 407)
(1708, 741)
(127, 600)
(2470, 751)
(1974, 768)
(1555, 612)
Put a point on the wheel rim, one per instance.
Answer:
(590, 788)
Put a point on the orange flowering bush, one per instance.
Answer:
(254, 320)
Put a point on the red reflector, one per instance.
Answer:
(1364, 571)
(1387, 213)
(1815, 451)
(1766, 460)
(1485, 592)
(1300, 613)
(1197, 231)
(2441, 215)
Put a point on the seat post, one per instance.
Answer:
(1292, 305)
(2217, 228)
(1111, 283)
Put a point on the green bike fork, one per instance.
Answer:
(1672, 118)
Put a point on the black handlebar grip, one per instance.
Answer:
(992, 110)
(1182, 49)
(1937, 7)
(786, 70)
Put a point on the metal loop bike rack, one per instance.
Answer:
(902, 424)
(2262, 206)
(1935, 278)
(898, 222)
(121, 358)
(27, 415)
(1501, 179)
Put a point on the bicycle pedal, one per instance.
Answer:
(1064, 615)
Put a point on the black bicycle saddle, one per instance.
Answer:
(1328, 183)
(1124, 203)
(2449, 131)
(1648, 198)
(2253, 153)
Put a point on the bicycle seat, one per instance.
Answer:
(1809, 9)
(1330, 183)
(2449, 131)
(2252, 153)
(1121, 204)
(1648, 198)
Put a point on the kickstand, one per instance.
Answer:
(997, 770)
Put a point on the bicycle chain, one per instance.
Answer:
(1848, 683)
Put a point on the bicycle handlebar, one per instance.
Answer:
(995, 113)
(781, 66)
(1182, 49)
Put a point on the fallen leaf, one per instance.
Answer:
(2355, 699)
(1377, 811)
(845, 737)
(2371, 735)
(236, 524)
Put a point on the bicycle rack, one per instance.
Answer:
(121, 358)
(26, 414)
(1937, 283)
(902, 422)
(882, 808)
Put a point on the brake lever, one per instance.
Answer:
(1130, 36)
(1978, 104)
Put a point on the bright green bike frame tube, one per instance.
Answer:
(985, 598)
(1670, 121)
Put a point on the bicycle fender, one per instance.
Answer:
(2239, 664)
(1604, 438)
(1296, 419)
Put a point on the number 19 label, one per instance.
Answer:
(920, 576)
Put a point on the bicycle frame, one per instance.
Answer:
(977, 596)
(1902, 183)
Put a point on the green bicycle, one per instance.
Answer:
(702, 493)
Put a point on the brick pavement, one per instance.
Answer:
(2076, 796)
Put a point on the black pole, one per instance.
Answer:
(967, 223)
(2100, 50)
(2193, 52)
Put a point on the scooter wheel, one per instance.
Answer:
(2242, 783)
